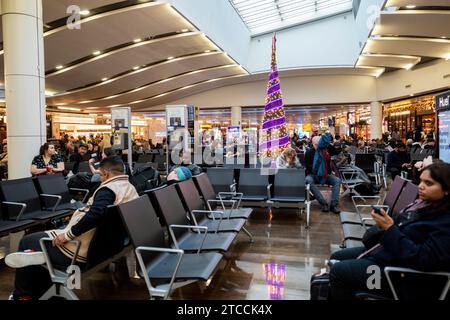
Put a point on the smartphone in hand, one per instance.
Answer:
(376, 210)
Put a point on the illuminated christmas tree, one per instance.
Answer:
(274, 135)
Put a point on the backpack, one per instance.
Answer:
(320, 286)
(80, 180)
(145, 178)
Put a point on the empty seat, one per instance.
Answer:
(289, 186)
(21, 201)
(156, 260)
(209, 196)
(210, 219)
(56, 185)
(407, 196)
(170, 210)
(389, 200)
(222, 179)
(253, 185)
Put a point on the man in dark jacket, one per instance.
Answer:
(316, 176)
(398, 160)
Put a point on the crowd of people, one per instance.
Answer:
(418, 237)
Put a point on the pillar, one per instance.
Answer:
(236, 116)
(376, 113)
(23, 44)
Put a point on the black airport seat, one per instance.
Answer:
(56, 185)
(215, 221)
(21, 201)
(209, 196)
(170, 210)
(156, 260)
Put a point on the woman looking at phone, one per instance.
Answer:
(418, 238)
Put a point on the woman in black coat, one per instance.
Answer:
(419, 238)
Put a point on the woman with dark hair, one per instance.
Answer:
(47, 162)
(417, 238)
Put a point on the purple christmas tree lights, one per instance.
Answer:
(274, 135)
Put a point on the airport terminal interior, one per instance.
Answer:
(224, 149)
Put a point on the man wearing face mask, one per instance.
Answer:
(32, 279)
(398, 160)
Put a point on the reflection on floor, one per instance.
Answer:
(278, 265)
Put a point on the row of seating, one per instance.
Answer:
(177, 237)
(30, 201)
(263, 187)
(355, 224)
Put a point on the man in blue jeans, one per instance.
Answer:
(318, 170)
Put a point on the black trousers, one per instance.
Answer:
(34, 281)
(350, 275)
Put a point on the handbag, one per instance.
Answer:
(372, 236)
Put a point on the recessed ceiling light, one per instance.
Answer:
(136, 67)
(68, 108)
(443, 37)
(411, 6)
(59, 67)
(96, 53)
(170, 58)
(137, 40)
(184, 30)
(104, 79)
(84, 12)
(206, 51)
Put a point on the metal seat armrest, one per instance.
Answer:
(269, 196)
(222, 202)
(86, 192)
(179, 252)
(22, 210)
(58, 199)
(234, 194)
(363, 198)
(173, 226)
(359, 206)
(363, 220)
(49, 264)
(221, 213)
(389, 270)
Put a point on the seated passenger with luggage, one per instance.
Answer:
(32, 279)
(417, 238)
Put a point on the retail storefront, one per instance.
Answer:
(407, 115)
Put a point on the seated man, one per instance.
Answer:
(80, 156)
(32, 279)
(288, 159)
(398, 160)
(318, 171)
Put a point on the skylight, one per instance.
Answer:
(267, 15)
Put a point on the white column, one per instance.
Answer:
(236, 116)
(23, 44)
(376, 113)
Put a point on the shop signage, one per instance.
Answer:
(443, 101)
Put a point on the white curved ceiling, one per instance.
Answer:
(408, 33)
(125, 53)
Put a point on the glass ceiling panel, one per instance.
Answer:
(267, 15)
